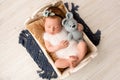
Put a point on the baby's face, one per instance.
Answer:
(53, 25)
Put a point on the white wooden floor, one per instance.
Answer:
(15, 62)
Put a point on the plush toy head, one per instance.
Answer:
(69, 23)
(71, 26)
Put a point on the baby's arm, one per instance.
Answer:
(61, 45)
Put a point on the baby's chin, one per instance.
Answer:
(53, 33)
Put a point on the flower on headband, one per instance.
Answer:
(47, 13)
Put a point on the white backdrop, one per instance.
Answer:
(16, 63)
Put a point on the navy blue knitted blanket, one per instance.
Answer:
(27, 41)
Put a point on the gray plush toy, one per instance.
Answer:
(71, 26)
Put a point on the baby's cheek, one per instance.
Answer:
(58, 29)
(48, 31)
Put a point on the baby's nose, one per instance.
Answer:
(53, 29)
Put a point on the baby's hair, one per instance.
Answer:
(58, 12)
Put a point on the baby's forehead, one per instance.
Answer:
(53, 19)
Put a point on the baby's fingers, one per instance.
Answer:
(66, 43)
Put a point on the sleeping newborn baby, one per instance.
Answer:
(69, 53)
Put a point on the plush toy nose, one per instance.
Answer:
(73, 26)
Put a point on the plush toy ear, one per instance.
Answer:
(64, 21)
(69, 15)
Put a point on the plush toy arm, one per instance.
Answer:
(70, 36)
(77, 35)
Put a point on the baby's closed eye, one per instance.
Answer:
(56, 27)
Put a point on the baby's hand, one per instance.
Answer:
(64, 44)
(80, 27)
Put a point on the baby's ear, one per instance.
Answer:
(64, 22)
(69, 15)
